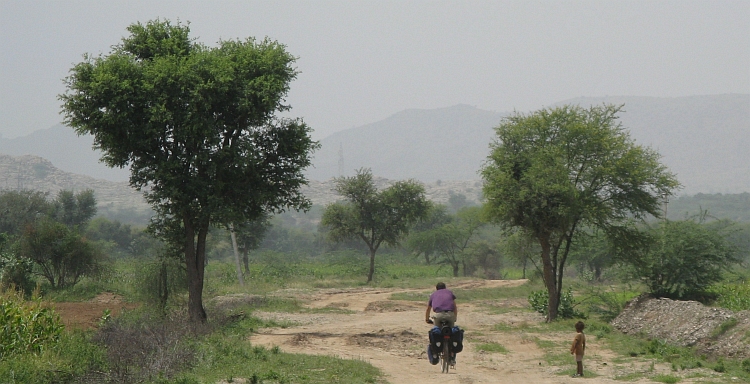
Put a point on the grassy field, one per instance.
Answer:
(221, 352)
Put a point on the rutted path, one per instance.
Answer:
(392, 336)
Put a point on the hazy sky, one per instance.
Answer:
(362, 61)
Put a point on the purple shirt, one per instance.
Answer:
(442, 300)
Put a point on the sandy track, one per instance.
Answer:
(392, 336)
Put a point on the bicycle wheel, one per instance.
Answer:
(445, 358)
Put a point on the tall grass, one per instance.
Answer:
(734, 296)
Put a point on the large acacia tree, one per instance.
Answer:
(373, 216)
(199, 128)
(556, 171)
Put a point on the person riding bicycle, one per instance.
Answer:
(443, 303)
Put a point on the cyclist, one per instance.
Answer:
(443, 303)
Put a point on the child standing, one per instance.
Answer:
(578, 348)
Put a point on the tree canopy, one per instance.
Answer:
(683, 259)
(375, 217)
(555, 171)
(199, 128)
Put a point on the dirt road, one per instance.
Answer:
(392, 336)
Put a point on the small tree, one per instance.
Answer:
(74, 209)
(422, 239)
(683, 259)
(19, 208)
(523, 250)
(375, 217)
(556, 171)
(454, 238)
(60, 254)
(250, 235)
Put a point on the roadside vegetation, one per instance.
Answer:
(571, 203)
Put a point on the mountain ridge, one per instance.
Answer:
(702, 138)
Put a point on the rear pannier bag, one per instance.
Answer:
(432, 356)
(457, 339)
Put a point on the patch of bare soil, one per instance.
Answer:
(87, 314)
(392, 336)
(715, 331)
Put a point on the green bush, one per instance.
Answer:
(539, 301)
(27, 327)
(16, 271)
(684, 259)
(734, 296)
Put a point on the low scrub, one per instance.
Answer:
(28, 327)
(539, 301)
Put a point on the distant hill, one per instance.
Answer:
(429, 145)
(65, 150)
(734, 207)
(703, 139)
(114, 199)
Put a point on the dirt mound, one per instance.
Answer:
(715, 331)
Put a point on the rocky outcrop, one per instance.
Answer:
(713, 331)
(36, 173)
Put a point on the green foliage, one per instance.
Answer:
(160, 280)
(60, 254)
(74, 209)
(556, 171)
(73, 355)
(14, 270)
(491, 347)
(122, 236)
(684, 259)
(27, 327)
(734, 296)
(724, 327)
(607, 304)
(200, 129)
(539, 302)
(746, 365)
(20, 208)
(375, 217)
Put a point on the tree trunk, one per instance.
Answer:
(163, 285)
(236, 256)
(550, 281)
(372, 265)
(195, 255)
(455, 269)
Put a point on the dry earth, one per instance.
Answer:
(87, 314)
(392, 336)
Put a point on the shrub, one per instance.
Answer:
(539, 300)
(28, 327)
(734, 296)
(684, 259)
(16, 271)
